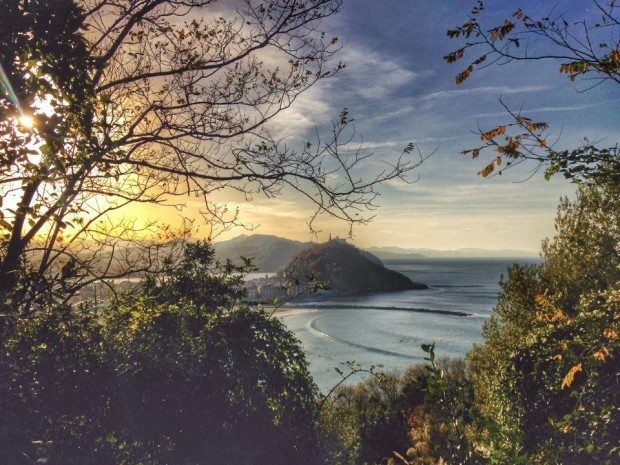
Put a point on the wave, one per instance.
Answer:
(455, 286)
(372, 307)
(399, 336)
(374, 350)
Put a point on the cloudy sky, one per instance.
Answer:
(399, 90)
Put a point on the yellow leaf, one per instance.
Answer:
(550, 311)
(401, 458)
(610, 333)
(601, 354)
(499, 130)
(464, 74)
(537, 126)
(570, 376)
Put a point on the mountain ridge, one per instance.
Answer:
(272, 253)
(465, 252)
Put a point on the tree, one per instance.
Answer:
(198, 279)
(420, 417)
(158, 383)
(587, 48)
(546, 376)
(145, 101)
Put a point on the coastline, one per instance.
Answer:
(308, 306)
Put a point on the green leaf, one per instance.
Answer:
(45, 150)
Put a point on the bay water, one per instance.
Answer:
(388, 328)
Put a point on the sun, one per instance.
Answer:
(26, 121)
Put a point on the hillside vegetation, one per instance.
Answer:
(347, 269)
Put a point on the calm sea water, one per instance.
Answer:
(361, 329)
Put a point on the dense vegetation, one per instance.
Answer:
(155, 379)
(547, 376)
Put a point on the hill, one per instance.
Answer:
(270, 253)
(347, 269)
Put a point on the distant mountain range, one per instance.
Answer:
(391, 253)
(273, 253)
(270, 253)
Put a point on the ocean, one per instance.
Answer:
(381, 329)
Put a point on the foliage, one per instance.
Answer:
(586, 47)
(440, 422)
(447, 414)
(198, 279)
(155, 384)
(527, 140)
(148, 102)
(367, 421)
(151, 380)
(423, 416)
(587, 164)
(546, 376)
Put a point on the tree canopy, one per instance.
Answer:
(584, 45)
(106, 104)
(152, 379)
(546, 376)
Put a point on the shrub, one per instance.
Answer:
(155, 383)
(547, 376)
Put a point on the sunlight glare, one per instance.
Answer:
(26, 121)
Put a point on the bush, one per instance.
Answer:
(424, 415)
(547, 376)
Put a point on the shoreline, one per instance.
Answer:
(319, 306)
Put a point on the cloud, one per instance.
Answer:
(261, 210)
(373, 145)
(311, 108)
(460, 198)
(374, 75)
(369, 76)
(505, 90)
(538, 110)
(436, 139)
(393, 114)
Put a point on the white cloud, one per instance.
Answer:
(393, 114)
(505, 90)
(538, 110)
(374, 75)
(373, 145)
(368, 74)
(312, 108)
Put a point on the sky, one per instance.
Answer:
(399, 89)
